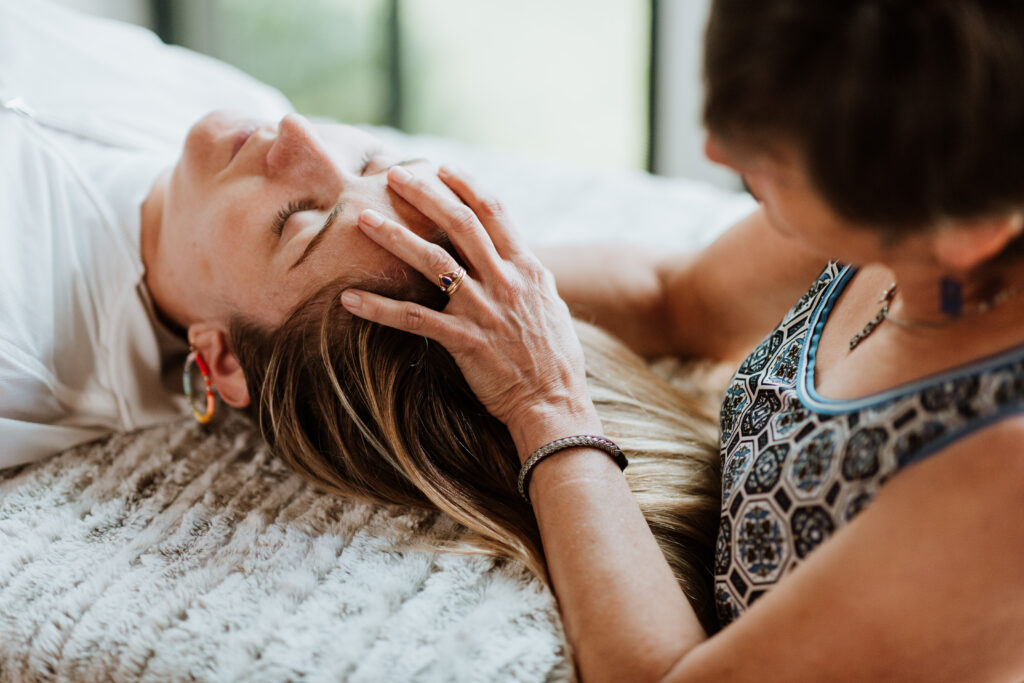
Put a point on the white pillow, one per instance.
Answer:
(97, 73)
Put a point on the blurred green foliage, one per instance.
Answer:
(329, 57)
(566, 79)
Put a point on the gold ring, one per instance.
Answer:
(452, 280)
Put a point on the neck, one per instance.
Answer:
(152, 220)
(150, 246)
(918, 295)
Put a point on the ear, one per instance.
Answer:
(225, 370)
(964, 245)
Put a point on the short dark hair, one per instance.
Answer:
(905, 113)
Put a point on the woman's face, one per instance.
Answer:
(781, 185)
(256, 216)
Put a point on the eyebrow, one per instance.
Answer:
(319, 236)
(331, 218)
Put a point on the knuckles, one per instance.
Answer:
(463, 220)
(512, 289)
(502, 279)
(439, 261)
(412, 318)
(547, 279)
(491, 208)
(535, 272)
(392, 237)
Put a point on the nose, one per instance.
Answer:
(713, 150)
(298, 150)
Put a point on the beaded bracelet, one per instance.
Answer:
(589, 441)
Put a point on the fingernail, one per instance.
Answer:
(351, 301)
(371, 218)
(447, 170)
(399, 174)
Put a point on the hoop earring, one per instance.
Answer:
(195, 357)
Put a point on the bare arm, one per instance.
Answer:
(717, 302)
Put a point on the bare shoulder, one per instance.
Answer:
(964, 502)
(725, 298)
(974, 485)
(989, 458)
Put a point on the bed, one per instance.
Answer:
(182, 552)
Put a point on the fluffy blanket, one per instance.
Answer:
(180, 553)
(177, 553)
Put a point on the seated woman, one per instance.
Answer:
(248, 242)
(872, 434)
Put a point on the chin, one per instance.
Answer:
(209, 141)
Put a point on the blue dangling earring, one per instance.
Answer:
(951, 297)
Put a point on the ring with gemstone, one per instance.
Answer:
(451, 281)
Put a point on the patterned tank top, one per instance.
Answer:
(797, 466)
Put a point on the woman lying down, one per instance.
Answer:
(247, 244)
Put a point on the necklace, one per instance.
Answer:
(883, 314)
(890, 294)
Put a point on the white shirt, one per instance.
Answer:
(93, 111)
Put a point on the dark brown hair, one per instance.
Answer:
(905, 113)
(372, 412)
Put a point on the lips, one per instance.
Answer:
(240, 138)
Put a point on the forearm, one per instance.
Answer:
(617, 287)
(623, 610)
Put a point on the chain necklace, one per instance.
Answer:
(890, 294)
(881, 316)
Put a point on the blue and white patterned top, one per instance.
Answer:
(797, 466)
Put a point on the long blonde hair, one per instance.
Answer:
(382, 415)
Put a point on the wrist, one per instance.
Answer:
(587, 441)
(539, 425)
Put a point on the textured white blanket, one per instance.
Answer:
(176, 553)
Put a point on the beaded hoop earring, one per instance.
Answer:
(195, 357)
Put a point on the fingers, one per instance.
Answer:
(455, 218)
(487, 208)
(428, 258)
(404, 315)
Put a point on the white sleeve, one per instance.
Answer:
(22, 442)
(28, 406)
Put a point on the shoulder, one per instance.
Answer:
(968, 488)
(1007, 432)
(992, 452)
(725, 298)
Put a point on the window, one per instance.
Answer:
(566, 80)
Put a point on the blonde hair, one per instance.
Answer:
(382, 415)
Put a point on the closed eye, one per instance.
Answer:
(285, 213)
(368, 158)
(318, 237)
